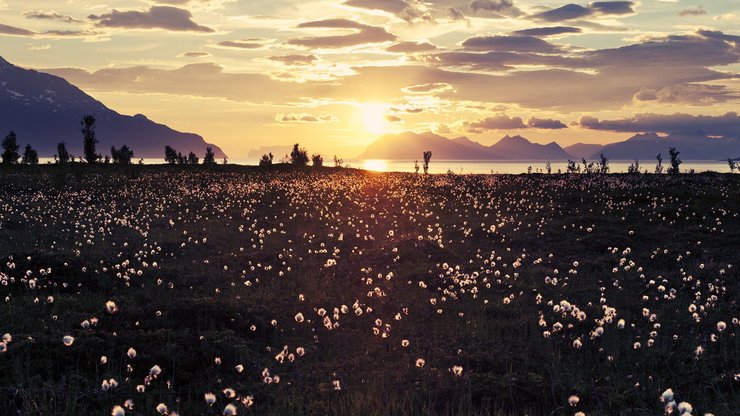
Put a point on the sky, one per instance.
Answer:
(334, 74)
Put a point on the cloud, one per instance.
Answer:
(305, 118)
(252, 43)
(491, 5)
(50, 15)
(696, 11)
(195, 54)
(724, 125)
(575, 11)
(364, 34)
(409, 10)
(294, 59)
(157, 17)
(504, 43)
(686, 94)
(392, 118)
(16, 31)
(411, 47)
(547, 31)
(432, 88)
(546, 123)
(499, 122)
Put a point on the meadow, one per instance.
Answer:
(193, 290)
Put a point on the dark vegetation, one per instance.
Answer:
(509, 288)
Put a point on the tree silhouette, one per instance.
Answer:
(192, 159)
(210, 157)
(89, 140)
(62, 153)
(10, 149)
(122, 156)
(603, 164)
(170, 155)
(266, 160)
(298, 156)
(30, 156)
(338, 162)
(317, 161)
(427, 159)
(675, 162)
(659, 165)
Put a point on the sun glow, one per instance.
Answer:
(375, 164)
(373, 118)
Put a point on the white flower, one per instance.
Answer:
(117, 411)
(299, 317)
(68, 340)
(155, 371)
(229, 410)
(420, 362)
(721, 326)
(161, 408)
(573, 400)
(111, 307)
(210, 398)
(457, 370)
(131, 353)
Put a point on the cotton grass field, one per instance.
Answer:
(150, 290)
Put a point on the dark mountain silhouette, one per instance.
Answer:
(519, 148)
(410, 146)
(44, 110)
(583, 150)
(693, 146)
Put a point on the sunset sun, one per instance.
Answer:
(373, 118)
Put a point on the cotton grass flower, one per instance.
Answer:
(131, 353)
(110, 307)
(68, 340)
(210, 398)
(161, 409)
(229, 410)
(117, 411)
(573, 400)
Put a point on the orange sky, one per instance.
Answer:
(335, 74)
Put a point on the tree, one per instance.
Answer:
(62, 153)
(122, 156)
(572, 167)
(266, 160)
(603, 164)
(416, 167)
(30, 156)
(634, 167)
(548, 168)
(427, 159)
(338, 162)
(10, 149)
(732, 164)
(317, 161)
(210, 157)
(659, 165)
(170, 155)
(298, 156)
(675, 162)
(192, 159)
(89, 140)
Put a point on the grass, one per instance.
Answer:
(212, 265)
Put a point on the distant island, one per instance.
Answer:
(44, 110)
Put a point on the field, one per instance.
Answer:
(236, 290)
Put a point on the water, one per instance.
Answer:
(487, 166)
(516, 167)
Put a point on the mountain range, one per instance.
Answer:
(410, 146)
(44, 110)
